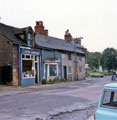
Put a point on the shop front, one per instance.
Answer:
(30, 67)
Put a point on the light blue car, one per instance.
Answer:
(107, 107)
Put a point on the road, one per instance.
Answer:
(64, 101)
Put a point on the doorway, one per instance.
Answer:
(5, 75)
(65, 72)
(36, 73)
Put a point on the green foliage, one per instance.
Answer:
(44, 81)
(110, 59)
(54, 81)
(105, 72)
(93, 59)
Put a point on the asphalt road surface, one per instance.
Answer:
(64, 101)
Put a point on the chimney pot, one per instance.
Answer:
(40, 23)
(37, 23)
(67, 36)
(39, 28)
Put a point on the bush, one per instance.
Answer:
(55, 81)
(44, 81)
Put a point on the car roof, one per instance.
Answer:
(111, 85)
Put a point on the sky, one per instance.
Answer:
(94, 20)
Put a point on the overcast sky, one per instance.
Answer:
(94, 20)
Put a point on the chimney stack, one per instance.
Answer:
(68, 36)
(39, 28)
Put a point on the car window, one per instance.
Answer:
(106, 98)
(115, 97)
(109, 98)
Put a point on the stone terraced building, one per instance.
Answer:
(27, 57)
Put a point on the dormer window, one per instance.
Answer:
(29, 36)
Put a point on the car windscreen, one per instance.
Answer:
(109, 98)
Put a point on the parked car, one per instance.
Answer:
(107, 107)
(96, 74)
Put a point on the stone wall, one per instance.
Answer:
(15, 65)
(9, 56)
(81, 64)
(5, 51)
(75, 64)
(68, 63)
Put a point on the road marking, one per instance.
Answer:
(5, 102)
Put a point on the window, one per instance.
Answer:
(70, 70)
(79, 58)
(53, 70)
(28, 56)
(28, 65)
(23, 56)
(80, 69)
(29, 39)
(69, 56)
(28, 68)
(109, 99)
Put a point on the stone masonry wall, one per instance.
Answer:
(9, 56)
(5, 51)
(15, 65)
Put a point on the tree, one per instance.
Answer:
(93, 59)
(110, 59)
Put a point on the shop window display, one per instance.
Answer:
(28, 66)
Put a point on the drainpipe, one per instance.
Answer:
(40, 64)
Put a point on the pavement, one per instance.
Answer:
(13, 90)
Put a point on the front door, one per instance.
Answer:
(65, 72)
(36, 72)
(46, 71)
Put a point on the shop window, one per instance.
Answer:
(28, 68)
(53, 70)
(28, 65)
(69, 56)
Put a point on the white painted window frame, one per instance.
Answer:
(33, 59)
(48, 69)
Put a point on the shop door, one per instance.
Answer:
(36, 72)
(46, 72)
(65, 72)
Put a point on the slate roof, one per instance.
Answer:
(41, 41)
(10, 32)
(55, 43)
